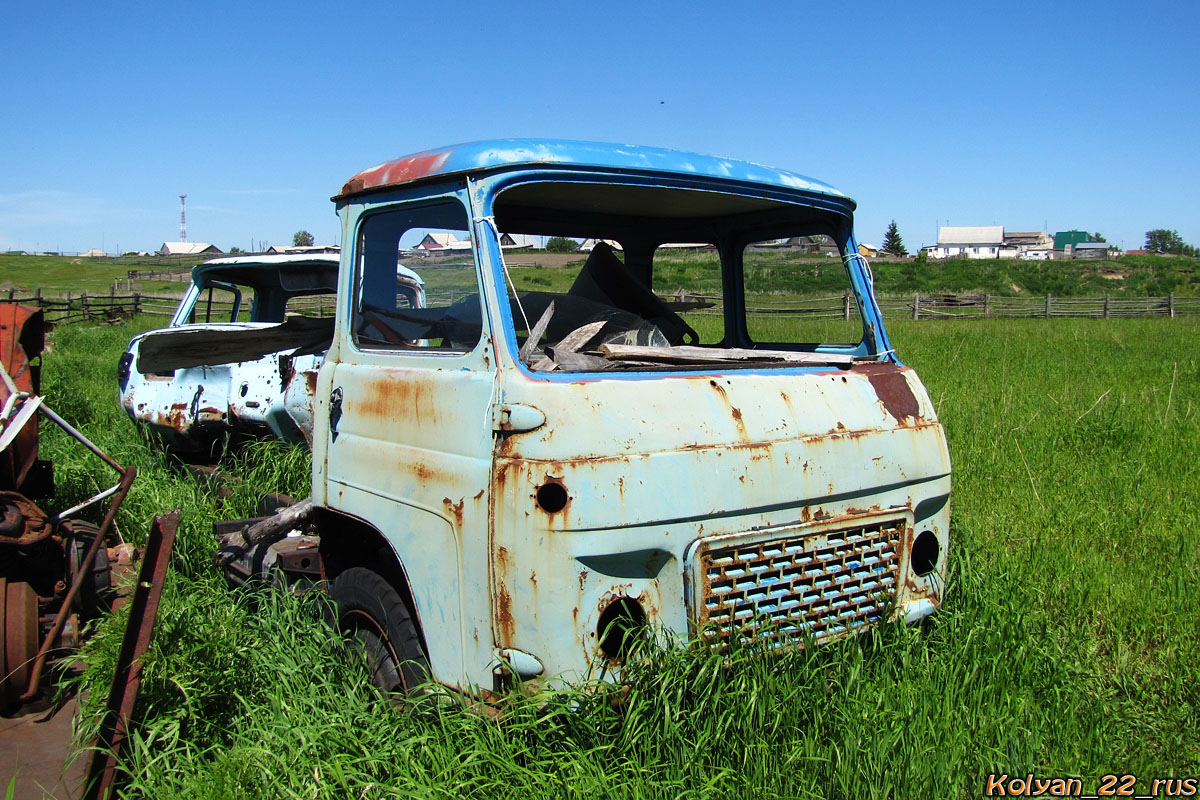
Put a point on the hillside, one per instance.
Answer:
(787, 273)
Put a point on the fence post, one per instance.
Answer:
(137, 299)
(1171, 304)
(10, 295)
(1047, 305)
(83, 303)
(845, 304)
(916, 305)
(39, 297)
(987, 305)
(1106, 311)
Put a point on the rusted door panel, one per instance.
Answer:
(412, 453)
(405, 441)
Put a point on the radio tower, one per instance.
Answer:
(182, 218)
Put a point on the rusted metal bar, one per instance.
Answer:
(83, 574)
(79, 437)
(114, 726)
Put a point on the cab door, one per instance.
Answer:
(409, 442)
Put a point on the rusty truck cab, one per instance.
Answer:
(694, 421)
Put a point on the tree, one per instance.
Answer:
(236, 251)
(561, 244)
(1096, 237)
(302, 239)
(892, 243)
(1162, 240)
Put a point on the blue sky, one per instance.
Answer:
(1029, 115)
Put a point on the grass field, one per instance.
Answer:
(1069, 644)
(787, 273)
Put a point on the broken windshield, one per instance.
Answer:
(629, 298)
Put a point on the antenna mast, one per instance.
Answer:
(182, 218)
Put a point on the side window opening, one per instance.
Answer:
(222, 302)
(798, 293)
(417, 283)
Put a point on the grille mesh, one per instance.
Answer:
(814, 585)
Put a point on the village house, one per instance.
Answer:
(442, 242)
(189, 249)
(990, 241)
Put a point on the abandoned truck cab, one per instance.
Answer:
(674, 425)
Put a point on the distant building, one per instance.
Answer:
(1064, 238)
(817, 243)
(1066, 243)
(969, 241)
(93, 253)
(990, 241)
(686, 246)
(1028, 245)
(589, 245)
(189, 249)
(1097, 250)
(519, 241)
(315, 249)
(868, 250)
(442, 242)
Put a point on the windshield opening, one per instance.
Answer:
(612, 277)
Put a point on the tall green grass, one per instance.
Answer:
(1068, 644)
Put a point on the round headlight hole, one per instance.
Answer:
(925, 552)
(622, 623)
(552, 497)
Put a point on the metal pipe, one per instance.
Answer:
(79, 437)
(60, 516)
(64, 611)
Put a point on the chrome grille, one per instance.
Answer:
(807, 585)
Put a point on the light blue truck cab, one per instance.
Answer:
(668, 426)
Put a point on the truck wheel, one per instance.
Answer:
(370, 610)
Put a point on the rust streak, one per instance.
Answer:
(893, 391)
(455, 510)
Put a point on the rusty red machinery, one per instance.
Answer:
(54, 570)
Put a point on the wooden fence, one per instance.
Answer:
(83, 307)
(983, 306)
(162, 273)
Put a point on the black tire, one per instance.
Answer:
(370, 611)
(95, 594)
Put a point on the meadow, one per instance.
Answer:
(786, 271)
(1069, 643)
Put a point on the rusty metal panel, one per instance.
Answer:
(114, 725)
(22, 337)
(485, 156)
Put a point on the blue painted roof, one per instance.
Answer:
(501, 153)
